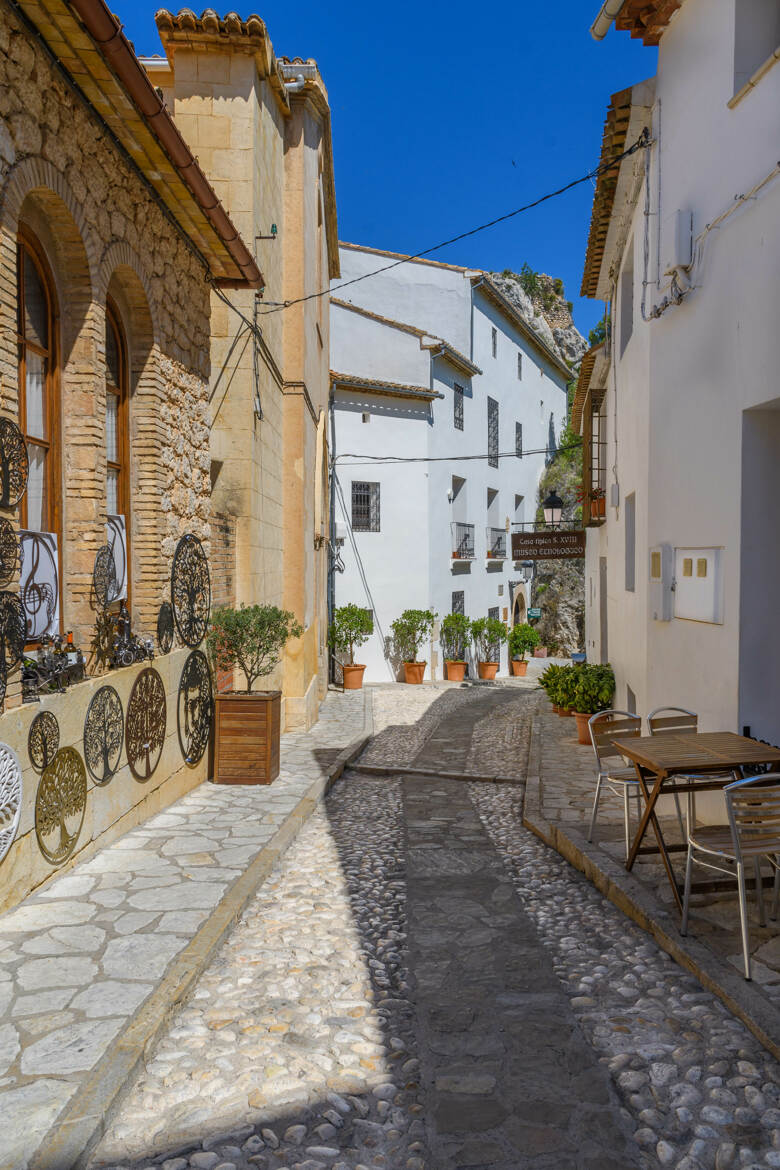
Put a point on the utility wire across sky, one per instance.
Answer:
(375, 460)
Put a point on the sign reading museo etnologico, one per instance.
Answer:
(547, 546)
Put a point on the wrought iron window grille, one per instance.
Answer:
(457, 407)
(496, 543)
(462, 542)
(365, 506)
(492, 423)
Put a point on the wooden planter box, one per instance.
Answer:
(246, 737)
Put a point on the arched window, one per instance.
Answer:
(37, 388)
(117, 448)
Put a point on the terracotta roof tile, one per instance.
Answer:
(646, 19)
(380, 386)
(613, 142)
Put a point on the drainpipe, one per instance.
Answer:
(609, 10)
(332, 530)
(295, 86)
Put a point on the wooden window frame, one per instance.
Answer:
(122, 465)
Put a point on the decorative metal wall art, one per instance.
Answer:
(194, 709)
(14, 464)
(145, 724)
(10, 797)
(60, 805)
(190, 590)
(116, 535)
(104, 579)
(43, 740)
(104, 733)
(165, 627)
(12, 631)
(9, 552)
(39, 586)
(52, 667)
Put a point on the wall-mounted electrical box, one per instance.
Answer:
(661, 581)
(698, 584)
(677, 241)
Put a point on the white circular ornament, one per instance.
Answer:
(10, 797)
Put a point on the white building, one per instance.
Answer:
(681, 407)
(433, 366)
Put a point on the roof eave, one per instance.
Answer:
(483, 281)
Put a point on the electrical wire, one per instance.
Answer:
(602, 168)
(374, 460)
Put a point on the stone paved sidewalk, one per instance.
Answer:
(80, 957)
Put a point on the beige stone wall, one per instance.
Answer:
(102, 233)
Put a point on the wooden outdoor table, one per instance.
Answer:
(661, 758)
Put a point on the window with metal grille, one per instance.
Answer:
(365, 506)
(495, 648)
(458, 601)
(494, 341)
(492, 416)
(457, 407)
(519, 365)
(518, 440)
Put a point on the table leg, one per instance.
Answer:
(651, 798)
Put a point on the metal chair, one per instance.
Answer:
(753, 831)
(673, 721)
(605, 727)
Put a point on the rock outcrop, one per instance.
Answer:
(545, 310)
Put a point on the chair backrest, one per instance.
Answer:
(753, 806)
(607, 726)
(672, 721)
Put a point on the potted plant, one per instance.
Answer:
(487, 635)
(522, 638)
(410, 630)
(567, 689)
(247, 723)
(594, 691)
(351, 626)
(454, 634)
(598, 504)
(548, 681)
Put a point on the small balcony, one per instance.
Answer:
(496, 544)
(462, 542)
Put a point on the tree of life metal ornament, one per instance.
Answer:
(9, 552)
(43, 740)
(145, 724)
(104, 579)
(14, 464)
(190, 590)
(195, 707)
(10, 797)
(60, 805)
(104, 734)
(12, 631)
(165, 628)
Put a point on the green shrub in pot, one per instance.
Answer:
(594, 688)
(352, 625)
(410, 630)
(522, 639)
(453, 635)
(487, 634)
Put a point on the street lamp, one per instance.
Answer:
(553, 510)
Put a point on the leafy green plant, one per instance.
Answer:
(594, 688)
(410, 630)
(522, 639)
(487, 634)
(455, 632)
(251, 638)
(567, 687)
(352, 625)
(548, 680)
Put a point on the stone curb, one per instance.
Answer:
(80, 1126)
(434, 773)
(744, 1000)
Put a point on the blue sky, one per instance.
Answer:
(445, 116)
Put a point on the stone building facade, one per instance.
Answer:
(108, 235)
(260, 127)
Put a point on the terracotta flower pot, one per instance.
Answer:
(564, 711)
(555, 708)
(353, 676)
(487, 669)
(246, 737)
(583, 731)
(456, 671)
(519, 667)
(414, 672)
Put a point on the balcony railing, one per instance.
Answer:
(496, 544)
(462, 542)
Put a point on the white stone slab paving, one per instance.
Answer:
(83, 953)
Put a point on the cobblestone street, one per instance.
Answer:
(422, 984)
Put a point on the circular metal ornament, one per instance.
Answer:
(9, 552)
(190, 590)
(104, 579)
(60, 805)
(14, 464)
(10, 797)
(43, 740)
(145, 724)
(13, 629)
(165, 628)
(194, 708)
(104, 734)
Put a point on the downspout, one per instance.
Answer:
(331, 530)
(609, 10)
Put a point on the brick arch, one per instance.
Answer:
(32, 174)
(120, 261)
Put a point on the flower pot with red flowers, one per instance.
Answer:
(352, 625)
(453, 637)
(410, 630)
(522, 639)
(488, 634)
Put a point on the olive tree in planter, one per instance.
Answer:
(410, 630)
(247, 724)
(351, 626)
(522, 638)
(594, 691)
(454, 635)
(487, 634)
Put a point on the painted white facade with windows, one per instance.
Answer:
(687, 390)
(418, 354)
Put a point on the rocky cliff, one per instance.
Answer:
(540, 300)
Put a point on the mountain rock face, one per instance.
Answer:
(545, 310)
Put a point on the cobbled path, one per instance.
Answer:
(301, 1048)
